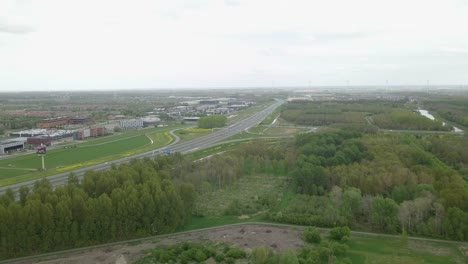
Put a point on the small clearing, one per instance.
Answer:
(247, 236)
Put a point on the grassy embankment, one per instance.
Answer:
(192, 133)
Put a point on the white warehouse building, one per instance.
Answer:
(131, 124)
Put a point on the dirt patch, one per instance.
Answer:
(464, 250)
(247, 236)
(429, 247)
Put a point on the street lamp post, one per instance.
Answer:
(43, 161)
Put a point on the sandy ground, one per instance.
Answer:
(246, 236)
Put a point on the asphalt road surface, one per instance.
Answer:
(182, 147)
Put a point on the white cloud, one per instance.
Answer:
(124, 44)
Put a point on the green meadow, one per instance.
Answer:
(379, 249)
(74, 156)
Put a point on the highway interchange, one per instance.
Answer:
(182, 147)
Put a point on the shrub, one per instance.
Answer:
(219, 258)
(261, 255)
(341, 233)
(288, 257)
(199, 256)
(230, 261)
(312, 235)
(235, 253)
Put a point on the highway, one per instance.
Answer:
(181, 147)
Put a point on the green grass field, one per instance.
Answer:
(92, 152)
(192, 133)
(367, 249)
(270, 118)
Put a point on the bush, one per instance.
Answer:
(312, 235)
(261, 255)
(338, 249)
(235, 253)
(200, 256)
(230, 261)
(219, 258)
(288, 257)
(341, 233)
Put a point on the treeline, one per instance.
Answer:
(18, 122)
(132, 200)
(325, 113)
(459, 118)
(453, 150)
(322, 119)
(384, 114)
(387, 183)
(408, 120)
(452, 110)
(212, 121)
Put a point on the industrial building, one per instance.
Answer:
(7, 146)
(52, 122)
(89, 132)
(81, 120)
(39, 141)
(51, 133)
(151, 120)
(29, 133)
(97, 131)
(63, 121)
(209, 102)
(131, 124)
(191, 118)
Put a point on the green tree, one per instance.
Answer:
(23, 193)
(341, 234)
(385, 214)
(456, 224)
(63, 221)
(312, 235)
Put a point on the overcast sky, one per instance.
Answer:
(112, 44)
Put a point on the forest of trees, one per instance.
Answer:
(408, 120)
(385, 183)
(212, 121)
(324, 113)
(133, 200)
(383, 114)
(376, 182)
(452, 110)
(18, 122)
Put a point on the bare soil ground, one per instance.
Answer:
(246, 236)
